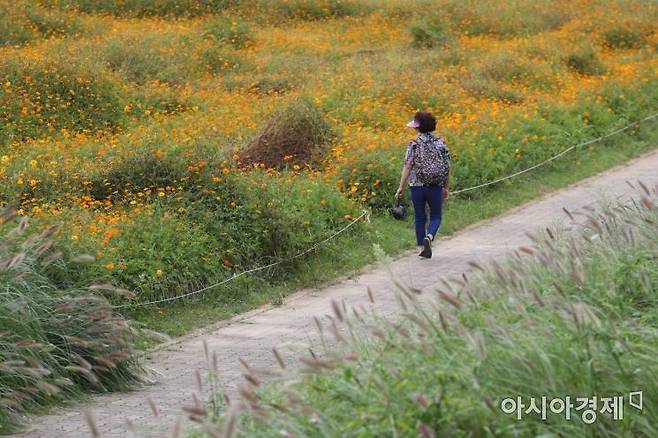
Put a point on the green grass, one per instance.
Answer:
(348, 255)
(145, 8)
(24, 22)
(569, 316)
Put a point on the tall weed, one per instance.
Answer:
(55, 342)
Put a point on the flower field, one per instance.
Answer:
(125, 120)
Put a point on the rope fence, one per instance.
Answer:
(366, 215)
(555, 157)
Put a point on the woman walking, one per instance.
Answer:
(427, 168)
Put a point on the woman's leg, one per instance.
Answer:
(418, 200)
(434, 196)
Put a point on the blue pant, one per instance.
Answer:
(432, 196)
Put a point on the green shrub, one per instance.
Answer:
(137, 172)
(630, 104)
(314, 9)
(228, 30)
(159, 101)
(22, 22)
(498, 75)
(40, 98)
(585, 61)
(225, 212)
(430, 32)
(256, 217)
(502, 66)
(371, 179)
(547, 323)
(488, 88)
(267, 85)
(218, 59)
(161, 255)
(623, 38)
(294, 213)
(12, 32)
(149, 57)
(508, 18)
(146, 8)
(56, 342)
(51, 23)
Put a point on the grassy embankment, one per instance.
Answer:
(128, 123)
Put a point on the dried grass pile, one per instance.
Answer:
(298, 135)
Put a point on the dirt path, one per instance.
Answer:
(291, 327)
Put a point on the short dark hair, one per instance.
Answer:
(426, 120)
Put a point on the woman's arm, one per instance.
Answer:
(403, 179)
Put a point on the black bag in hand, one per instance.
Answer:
(398, 211)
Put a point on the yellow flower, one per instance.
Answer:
(109, 266)
(5, 159)
(33, 164)
(159, 273)
(161, 194)
(74, 237)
